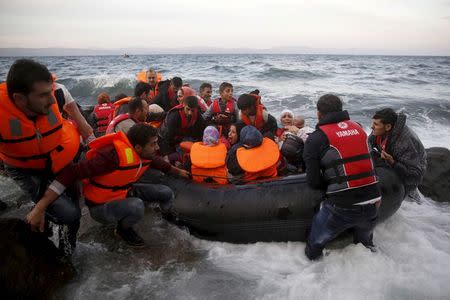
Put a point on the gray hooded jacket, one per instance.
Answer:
(408, 153)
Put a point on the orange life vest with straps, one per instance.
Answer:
(155, 124)
(118, 104)
(142, 76)
(259, 162)
(259, 118)
(348, 164)
(47, 143)
(114, 185)
(208, 163)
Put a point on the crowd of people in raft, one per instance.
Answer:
(47, 146)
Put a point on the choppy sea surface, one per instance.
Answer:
(413, 258)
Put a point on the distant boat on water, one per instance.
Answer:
(126, 55)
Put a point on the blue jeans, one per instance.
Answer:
(332, 220)
(130, 210)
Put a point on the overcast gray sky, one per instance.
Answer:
(419, 25)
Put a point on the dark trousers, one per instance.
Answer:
(64, 210)
(130, 210)
(332, 220)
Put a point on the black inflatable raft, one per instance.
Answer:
(275, 210)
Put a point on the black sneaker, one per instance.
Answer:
(129, 236)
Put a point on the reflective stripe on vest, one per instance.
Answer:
(48, 142)
(114, 185)
(347, 164)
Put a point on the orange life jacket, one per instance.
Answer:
(155, 124)
(118, 104)
(114, 185)
(208, 163)
(47, 143)
(259, 162)
(259, 118)
(142, 76)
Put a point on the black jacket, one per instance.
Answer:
(170, 132)
(408, 153)
(316, 146)
(269, 129)
(162, 98)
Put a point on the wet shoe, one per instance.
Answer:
(129, 236)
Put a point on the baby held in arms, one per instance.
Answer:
(299, 128)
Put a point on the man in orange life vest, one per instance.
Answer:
(337, 160)
(182, 123)
(111, 169)
(36, 142)
(253, 113)
(137, 113)
(152, 78)
(100, 114)
(254, 157)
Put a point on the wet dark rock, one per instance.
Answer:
(436, 181)
(31, 267)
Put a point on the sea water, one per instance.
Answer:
(413, 257)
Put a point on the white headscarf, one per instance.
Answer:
(286, 111)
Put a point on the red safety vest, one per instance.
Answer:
(112, 126)
(114, 185)
(102, 113)
(185, 123)
(349, 164)
(259, 118)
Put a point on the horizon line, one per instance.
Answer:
(288, 50)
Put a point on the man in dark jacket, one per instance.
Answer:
(338, 161)
(167, 93)
(183, 123)
(395, 143)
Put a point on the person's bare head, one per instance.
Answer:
(152, 77)
(299, 122)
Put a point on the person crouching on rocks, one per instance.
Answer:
(110, 172)
(399, 147)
